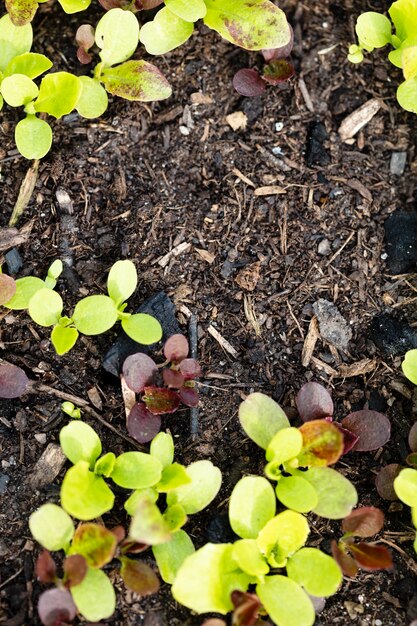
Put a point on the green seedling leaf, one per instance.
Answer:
(205, 484)
(261, 418)
(134, 500)
(93, 100)
(175, 517)
(364, 522)
(317, 572)
(373, 30)
(323, 443)
(285, 445)
(171, 555)
(409, 365)
(105, 465)
(249, 558)
(404, 15)
(371, 556)
(18, 90)
(162, 448)
(117, 35)
(21, 12)
(282, 536)
(75, 569)
(253, 25)
(58, 94)
(136, 80)
(95, 543)
(84, 495)
(188, 11)
(54, 272)
(33, 138)
(70, 409)
(297, 494)
(30, 64)
(252, 505)
(405, 486)
(285, 602)
(142, 328)
(407, 98)
(94, 315)
(14, 40)
(173, 476)
(122, 281)
(13, 381)
(205, 580)
(139, 577)
(148, 525)
(74, 6)
(95, 597)
(80, 442)
(25, 289)
(136, 470)
(165, 32)
(64, 339)
(7, 288)
(337, 496)
(45, 307)
(52, 527)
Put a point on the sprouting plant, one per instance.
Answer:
(85, 495)
(409, 366)
(350, 555)
(92, 315)
(70, 409)
(140, 373)
(405, 485)
(374, 30)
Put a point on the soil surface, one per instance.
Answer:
(146, 179)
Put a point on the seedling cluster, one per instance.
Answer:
(374, 30)
(92, 315)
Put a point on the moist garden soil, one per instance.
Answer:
(146, 179)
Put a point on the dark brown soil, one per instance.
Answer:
(145, 179)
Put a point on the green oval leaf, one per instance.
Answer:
(94, 315)
(74, 6)
(407, 98)
(52, 527)
(249, 558)
(282, 536)
(122, 281)
(136, 80)
(25, 289)
(261, 418)
(373, 30)
(205, 484)
(405, 486)
(80, 442)
(297, 494)
(173, 476)
(285, 602)
(18, 90)
(285, 445)
(84, 495)
(165, 32)
(162, 448)
(148, 525)
(171, 555)
(105, 465)
(252, 505)
(337, 496)
(45, 307)
(117, 34)
(142, 328)
(136, 470)
(135, 499)
(63, 339)
(317, 572)
(175, 517)
(94, 597)
(58, 94)
(33, 137)
(31, 64)
(15, 40)
(188, 11)
(93, 100)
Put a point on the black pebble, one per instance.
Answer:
(392, 336)
(13, 261)
(316, 154)
(401, 242)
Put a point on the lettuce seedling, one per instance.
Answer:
(92, 315)
(85, 495)
(363, 522)
(140, 373)
(405, 485)
(375, 31)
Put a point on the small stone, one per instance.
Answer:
(332, 325)
(184, 130)
(40, 438)
(13, 261)
(4, 481)
(398, 163)
(324, 247)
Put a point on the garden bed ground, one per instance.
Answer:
(146, 179)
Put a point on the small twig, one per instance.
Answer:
(193, 337)
(25, 193)
(336, 254)
(3, 584)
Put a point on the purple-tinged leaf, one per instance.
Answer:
(189, 396)
(119, 532)
(173, 378)
(246, 610)
(280, 53)
(132, 547)
(142, 425)
(13, 381)
(146, 5)
(7, 288)
(213, 621)
(176, 348)
(322, 443)
(21, 12)
(85, 38)
(75, 569)
(411, 460)
(278, 71)
(314, 402)
(139, 370)
(384, 481)
(364, 522)
(371, 556)
(55, 607)
(372, 428)
(349, 439)
(190, 369)
(412, 438)
(45, 568)
(159, 400)
(248, 83)
(139, 577)
(344, 561)
(95, 543)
